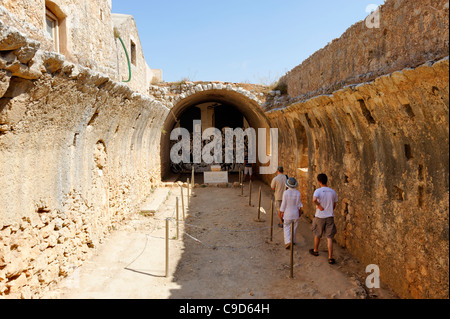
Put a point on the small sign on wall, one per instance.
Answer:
(215, 177)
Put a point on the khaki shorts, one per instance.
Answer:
(323, 226)
(278, 204)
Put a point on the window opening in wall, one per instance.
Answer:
(133, 52)
(51, 22)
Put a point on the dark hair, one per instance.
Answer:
(281, 169)
(323, 179)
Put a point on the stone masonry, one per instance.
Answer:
(80, 150)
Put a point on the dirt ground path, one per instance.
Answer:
(221, 253)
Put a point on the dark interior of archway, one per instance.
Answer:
(189, 116)
(224, 115)
(227, 115)
(231, 109)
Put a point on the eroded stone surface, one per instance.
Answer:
(80, 151)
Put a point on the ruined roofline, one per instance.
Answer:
(295, 102)
(47, 62)
(121, 18)
(408, 34)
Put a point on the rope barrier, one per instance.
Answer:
(158, 223)
(216, 247)
(222, 229)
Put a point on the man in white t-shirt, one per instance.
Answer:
(325, 199)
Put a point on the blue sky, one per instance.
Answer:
(253, 41)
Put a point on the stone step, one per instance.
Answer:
(155, 200)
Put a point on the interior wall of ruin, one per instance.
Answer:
(384, 146)
(78, 153)
(372, 113)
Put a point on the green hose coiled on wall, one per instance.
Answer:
(128, 60)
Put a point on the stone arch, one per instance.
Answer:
(241, 100)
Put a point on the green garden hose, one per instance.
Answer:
(128, 60)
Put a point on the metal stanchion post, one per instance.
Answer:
(241, 179)
(271, 221)
(193, 182)
(292, 250)
(188, 186)
(167, 247)
(182, 203)
(250, 194)
(178, 218)
(259, 220)
(259, 204)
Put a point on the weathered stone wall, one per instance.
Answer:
(78, 153)
(125, 27)
(382, 140)
(87, 36)
(384, 146)
(410, 34)
(95, 50)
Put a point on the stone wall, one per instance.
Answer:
(125, 27)
(410, 34)
(95, 50)
(371, 111)
(78, 153)
(384, 146)
(100, 51)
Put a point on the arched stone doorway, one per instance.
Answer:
(214, 108)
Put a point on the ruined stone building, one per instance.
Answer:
(83, 136)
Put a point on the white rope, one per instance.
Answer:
(222, 229)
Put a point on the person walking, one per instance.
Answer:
(325, 200)
(279, 186)
(248, 169)
(291, 210)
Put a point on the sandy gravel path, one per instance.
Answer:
(221, 253)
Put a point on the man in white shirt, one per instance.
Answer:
(279, 186)
(248, 169)
(325, 199)
(291, 210)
